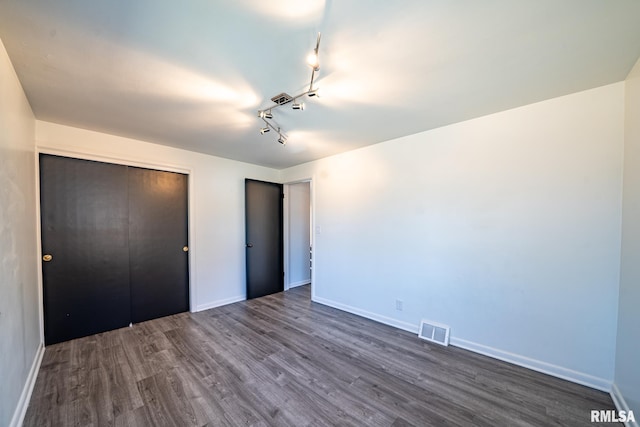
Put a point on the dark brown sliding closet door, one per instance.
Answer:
(84, 213)
(114, 240)
(158, 243)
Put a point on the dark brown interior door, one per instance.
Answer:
(158, 243)
(264, 238)
(85, 214)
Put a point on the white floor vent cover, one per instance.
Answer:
(434, 332)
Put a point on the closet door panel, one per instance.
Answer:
(84, 218)
(158, 243)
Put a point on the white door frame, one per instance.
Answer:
(287, 225)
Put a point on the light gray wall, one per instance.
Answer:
(627, 377)
(506, 227)
(19, 307)
(299, 238)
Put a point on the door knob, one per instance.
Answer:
(249, 245)
(185, 249)
(47, 258)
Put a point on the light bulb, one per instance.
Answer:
(312, 60)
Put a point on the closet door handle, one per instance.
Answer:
(47, 258)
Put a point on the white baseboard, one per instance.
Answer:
(516, 359)
(369, 315)
(219, 303)
(300, 283)
(534, 364)
(25, 397)
(621, 405)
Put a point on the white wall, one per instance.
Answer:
(299, 222)
(19, 313)
(217, 239)
(627, 376)
(505, 227)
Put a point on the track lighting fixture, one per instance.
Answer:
(284, 98)
(265, 114)
(271, 125)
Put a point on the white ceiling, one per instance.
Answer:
(193, 74)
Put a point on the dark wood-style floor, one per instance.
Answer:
(282, 360)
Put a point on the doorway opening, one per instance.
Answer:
(298, 239)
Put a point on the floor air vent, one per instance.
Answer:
(434, 332)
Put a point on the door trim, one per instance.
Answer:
(192, 261)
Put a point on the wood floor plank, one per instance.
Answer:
(282, 360)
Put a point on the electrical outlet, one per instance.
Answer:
(399, 305)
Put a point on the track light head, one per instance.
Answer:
(313, 92)
(282, 140)
(264, 130)
(298, 105)
(265, 114)
(312, 60)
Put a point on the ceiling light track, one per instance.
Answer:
(272, 125)
(283, 98)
